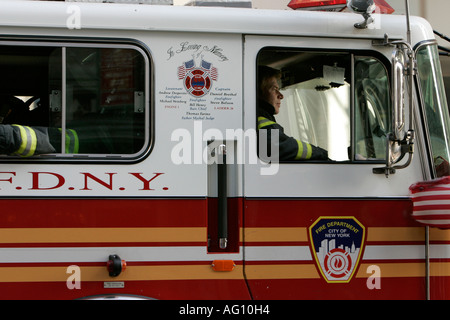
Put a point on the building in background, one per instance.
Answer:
(220, 3)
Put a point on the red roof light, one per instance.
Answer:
(382, 5)
(317, 4)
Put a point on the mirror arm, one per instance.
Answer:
(406, 147)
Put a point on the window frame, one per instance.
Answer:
(432, 165)
(99, 43)
(384, 61)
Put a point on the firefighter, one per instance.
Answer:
(269, 103)
(28, 141)
(12, 109)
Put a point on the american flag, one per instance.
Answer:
(212, 70)
(431, 202)
(183, 69)
(206, 65)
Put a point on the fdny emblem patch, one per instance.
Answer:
(337, 244)
(197, 80)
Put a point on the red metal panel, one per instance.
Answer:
(86, 213)
(372, 213)
(170, 281)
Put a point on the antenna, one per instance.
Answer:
(408, 23)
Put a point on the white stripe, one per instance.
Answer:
(444, 193)
(431, 223)
(276, 253)
(157, 254)
(432, 203)
(185, 254)
(426, 213)
(439, 251)
(394, 252)
(101, 254)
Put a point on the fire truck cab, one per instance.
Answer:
(155, 186)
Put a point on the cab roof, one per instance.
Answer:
(141, 17)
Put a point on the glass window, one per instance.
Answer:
(317, 89)
(435, 104)
(89, 101)
(372, 109)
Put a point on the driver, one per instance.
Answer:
(269, 103)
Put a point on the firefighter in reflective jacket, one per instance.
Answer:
(269, 102)
(27, 141)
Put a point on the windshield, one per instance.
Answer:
(435, 104)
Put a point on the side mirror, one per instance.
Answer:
(401, 141)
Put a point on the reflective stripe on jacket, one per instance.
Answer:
(24, 141)
(72, 142)
(29, 141)
(289, 148)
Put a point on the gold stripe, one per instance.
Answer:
(131, 273)
(407, 234)
(87, 235)
(440, 269)
(287, 271)
(396, 234)
(275, 234)
(373, 234)
(160, 234)
(190, 272)
(439, 234)
(401, 270)
(394, 270)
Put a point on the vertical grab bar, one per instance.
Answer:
(222, 196)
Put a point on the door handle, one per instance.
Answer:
(222, 188)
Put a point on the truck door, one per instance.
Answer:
(314, 228)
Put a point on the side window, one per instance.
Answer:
(372, 109)
(75, 101)
(332, 103)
